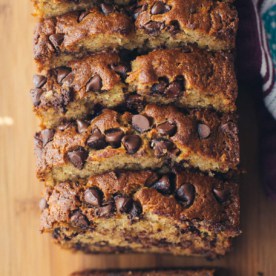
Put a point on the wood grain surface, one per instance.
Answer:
(24, 251)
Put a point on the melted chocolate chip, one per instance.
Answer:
(94, 84)
(186, 194)
(135, 102)
(78, 157)
(159, 88)
(132, 143)
(105, 211)
(166, 128)
(163, 185)
(36, 95)
(79, 220)
(39, 81)
(47, 135)
(123, 204)
(221, 194)
(96, 140)
(173, 28)
(114, 137)
(136, 210)
(140, 123)
(93, 196)
(153, 28)
(61, 73)
(174, 89)
(203, 131)
(120, 69)
(107, 9)
(159, 7)
(162, 147)
(56, 40)
(82, 126)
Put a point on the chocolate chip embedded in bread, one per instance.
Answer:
(120, 69)
(141, 123)
(105, 211)
(132, 143)
(138, 10)
(106, 9)
(83, 15)
(159, 88)
(39, 81)
(123, 204)
(36, 95)
(114, 137)
(174, 27)
(221, 194)
(135, 211)
(82, 126)
(47, 135)
(163, 185)
(186, 194)
(78, 157)
(173, 90)
(56, 40)
(159, 7)
(79, 220)
(161, 147)
(203, 131)
(96, 139)
(154, 28)
(61, 73)
(94, 84)
(166, 128)
(93, 196)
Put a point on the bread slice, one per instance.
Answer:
(180, 213)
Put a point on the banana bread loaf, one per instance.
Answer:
(155, 137)
(51, 8)
(182, 213)
(186, 77)
(145, 272)
(208, 23)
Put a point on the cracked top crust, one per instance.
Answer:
(210, 200)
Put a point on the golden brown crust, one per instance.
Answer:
(208, 205)
(208, 23)
(201, 139)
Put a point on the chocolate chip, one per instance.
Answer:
(93, 196)
(96, 139)
(120, 69)
(132, 143)
(47, 135)
(56, 233)
(135, 102)
(159, 8)
(78, 157)
(136, 210)
(160, 87)
(36, 95)
(203, 131)
(94, 84)
(69, 79)
(106, 9)
(166, 128)
(61, 73)
(105, 211)
(56, 40)
(161, 147)
(83, 15)
(174, 89)
(114, 137)
(82, 126)
(123, 204)
(153, 27)
(221, 194)
(138, 10)
(43, 204)
(79, 220)
(163, 185)
(174, 27)
(64, 126)
(39, 81)
(140, 123)
(186, 194)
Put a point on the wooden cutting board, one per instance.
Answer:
(24, 251)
